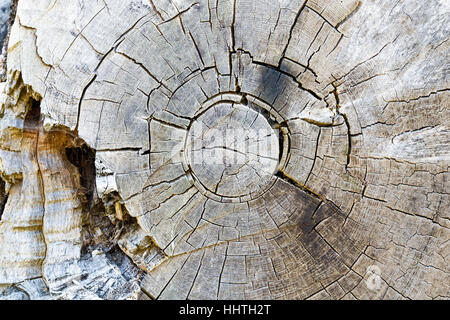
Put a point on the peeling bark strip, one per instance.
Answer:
(231, 149)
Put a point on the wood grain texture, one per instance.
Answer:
(231, 149)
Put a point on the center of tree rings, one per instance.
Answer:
(234, 148)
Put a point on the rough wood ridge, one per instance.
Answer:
(226, 149)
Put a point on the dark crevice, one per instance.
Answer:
(3, 197)
(244, 100)
(291, 31)
(281, 142)
(33, 115)
(83, 158)
(349, 142)
(81, 100)
(293, 182)
(315, 155)
(347, 123)
(233, 35)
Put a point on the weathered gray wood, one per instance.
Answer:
(231, 149)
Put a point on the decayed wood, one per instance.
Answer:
(239, 149)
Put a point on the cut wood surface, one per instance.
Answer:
(226, 149)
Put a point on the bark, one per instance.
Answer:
(231, 149)
(7, 14)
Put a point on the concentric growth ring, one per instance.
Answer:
(232, 148)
